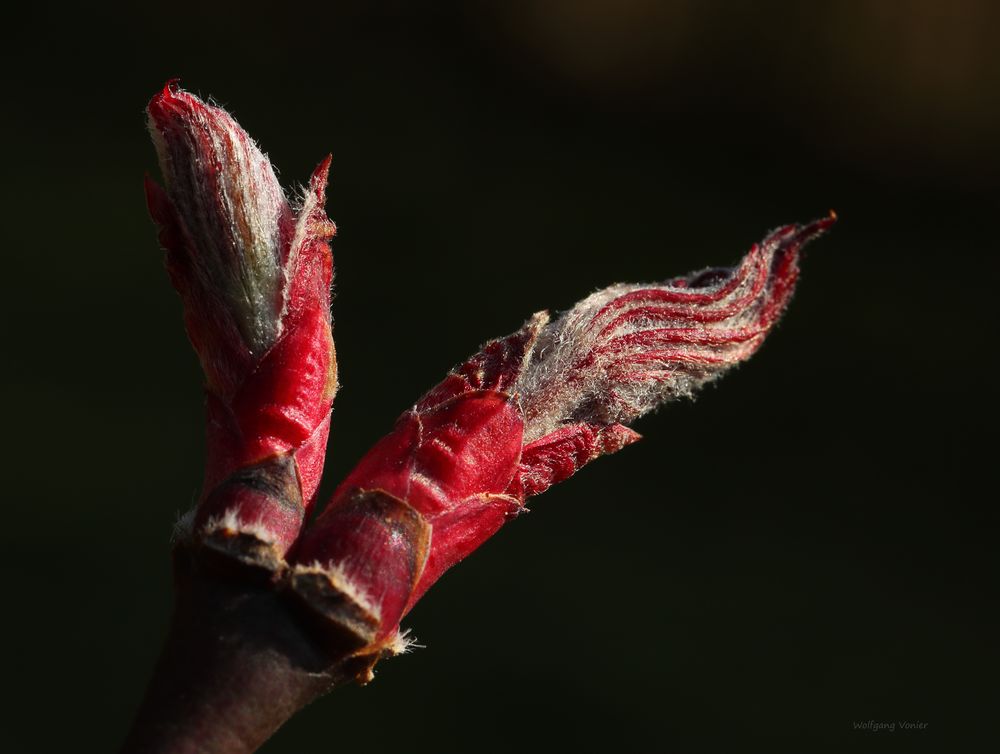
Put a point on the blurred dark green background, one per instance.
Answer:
(808, 545)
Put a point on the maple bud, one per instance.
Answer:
(526, 412)
(253, 272)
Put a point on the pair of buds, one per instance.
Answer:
(254, 270)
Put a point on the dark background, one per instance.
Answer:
(806, 546)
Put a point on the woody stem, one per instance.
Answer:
(237, 663)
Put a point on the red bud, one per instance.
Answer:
(524, 413)
(254, 274)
